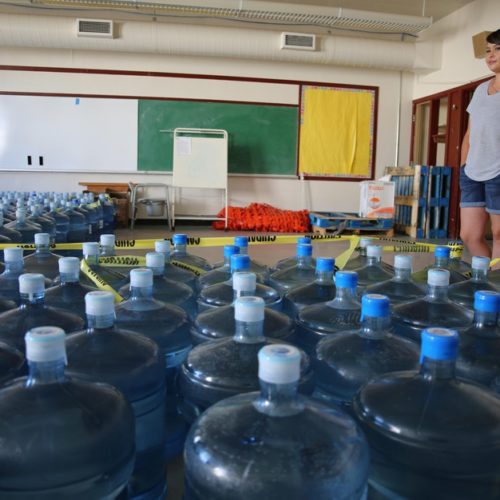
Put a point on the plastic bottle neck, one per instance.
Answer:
(278, 400)
(69, 277)
(243, 293)
(14, 267)
(100, 322)
(402, 274)
(92, 259)
(373, 261)
(324, 277)
(375, 327)
(344, 294)
(32, 299)
(437, 293)
(479, 275)
(484, 319)
(42, 249)
(249, 332)
(243, 250)
(107, 251)
(304, 260)
(141, 292)
(179, 249)
(437, 369)
(443, 262)
(157, 271)
(47, 372)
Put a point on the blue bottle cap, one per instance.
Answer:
(346, 279)
(179, 239)
(442, 252)
(304, 250)
(325, 264)
(487, 301)
(240, 262)
(230, 250)
(241, 241)
(375, 306)
(304, 240)
(440, 344)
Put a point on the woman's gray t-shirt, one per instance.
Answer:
(483, 159)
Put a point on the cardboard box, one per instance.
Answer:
(121, 202)
(376, 200)
(479, 44)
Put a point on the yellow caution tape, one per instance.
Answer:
(98, 281)
(198, 271)
(123, 261)
(494, 262)
(342, 259)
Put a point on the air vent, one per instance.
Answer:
(98, 28)
(298, 41)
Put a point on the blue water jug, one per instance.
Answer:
(275, 444)
(340, 314)
(133, 364)
(435, 309)
(373, 271)
(26, 228)
(431, 435)
(221, 368)
(13, 235)
(12, 363)
(62, 223)
(43, 261)
(322, 289)
(84, 432)
(172, 272)
(261, 270)
(180, 253)
(401, 288)
(292, 261)
(442, 261)
(108, 212)
(347, 360)
(221, 271)
(46, 222)
(114, 278)
(78, 229)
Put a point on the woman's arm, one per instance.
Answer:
(465, 146)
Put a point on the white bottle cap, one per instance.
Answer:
(249, 309)
(403, 262)
(155, 259)
(107, 240)
(374, 251)
(13, 254)
(244, 282)
(141, 277)
(480, 263)
(69, 265)
(99, 303)
(90, 248)
(364, 242)
(45, 344)
(279, 364)
(162, 246)
(438, 277)
(20, 212)
(42, 238)
(31, 283)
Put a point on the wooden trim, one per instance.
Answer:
(445, 93)
(433, 129)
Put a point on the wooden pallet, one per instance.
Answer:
(349, 223)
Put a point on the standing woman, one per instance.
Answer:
(480, 171)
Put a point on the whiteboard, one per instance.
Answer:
(68, 133)
(200, 158)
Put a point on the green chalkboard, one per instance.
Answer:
(262, 137)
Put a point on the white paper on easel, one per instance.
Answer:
(183, 146)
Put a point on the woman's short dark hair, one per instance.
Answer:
(494, 37)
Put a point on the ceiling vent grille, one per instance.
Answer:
(97, 28)
(298, 41)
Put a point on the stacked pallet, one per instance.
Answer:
(422, 199)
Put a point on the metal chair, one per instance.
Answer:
(156, 207)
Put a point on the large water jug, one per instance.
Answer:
(112, 277)
(435, 309)
(133, 364)
(495, 278)
(322, 289)
(45, 221)
(361, 259)
(62, 223)
(223, 294)
(442, 260)
(7, 305)
(372, 272)
(431, 435)
(78, 229)
(180, 253)
(221, 271)
(302, 273)
(172, 272)
(33, 312)
(219, 322)
(463, 292)
(27, 229)
(12, 363)
(86, 214)
(275, 444)
(93, 218)
(221, 368)
(108, 213)
(346, 361)
(13, 234)
(69, 294)
(168, 326)
(72, 439)
(43, 261)
(340, 314)
(261, 270)
(479, 357)
(401, 288)
(292, 261)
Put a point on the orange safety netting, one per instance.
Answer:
(263, 217)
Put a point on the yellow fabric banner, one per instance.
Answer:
(336, 132)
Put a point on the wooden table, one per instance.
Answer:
(105, 187)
